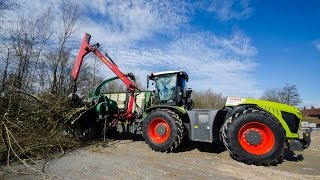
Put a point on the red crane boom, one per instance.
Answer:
(86, 48)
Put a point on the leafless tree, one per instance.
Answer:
(4, 66)
(89, 76)
(6, 5)
(290, 95)
(26, 41)
(59, 59)
(271, 95)
(22, 41)
(287, 95)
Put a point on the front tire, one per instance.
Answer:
(163, 130)
(254, 137)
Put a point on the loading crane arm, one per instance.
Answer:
(86, 48)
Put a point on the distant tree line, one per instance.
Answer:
(208, 99)
(288, 94)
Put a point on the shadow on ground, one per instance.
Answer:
(186, 144)
(291, 156)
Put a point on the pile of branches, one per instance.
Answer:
(35, 126)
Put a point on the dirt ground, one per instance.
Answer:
(132, 159)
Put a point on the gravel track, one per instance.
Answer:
(132, 159)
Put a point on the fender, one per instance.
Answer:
(234, 110)
(177, 109)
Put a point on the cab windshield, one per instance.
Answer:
(166, 87)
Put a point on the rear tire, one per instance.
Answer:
(254, 137)
(163, 130)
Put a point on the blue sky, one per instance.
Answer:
(286, 34)
(237, 48)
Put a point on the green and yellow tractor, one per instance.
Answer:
(253, 131)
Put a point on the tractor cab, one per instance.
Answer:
(170, 88)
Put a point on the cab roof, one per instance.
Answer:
(163, 73)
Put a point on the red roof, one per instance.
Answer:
(311, 112)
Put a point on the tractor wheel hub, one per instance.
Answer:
(253, 137)
(161, 130)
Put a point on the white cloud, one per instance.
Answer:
(316, 44)
(230, 9)
(127, 21)
(223, 64)
(226, 67)
(121, 22)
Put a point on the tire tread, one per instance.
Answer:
(174, 141)
(240, 156)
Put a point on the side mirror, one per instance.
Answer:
(188, 103)
(188, 92)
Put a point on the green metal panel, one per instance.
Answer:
(147, 103)
(272, 108)
(106, 106)
(96, 92)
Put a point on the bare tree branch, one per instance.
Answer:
(287, 95)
